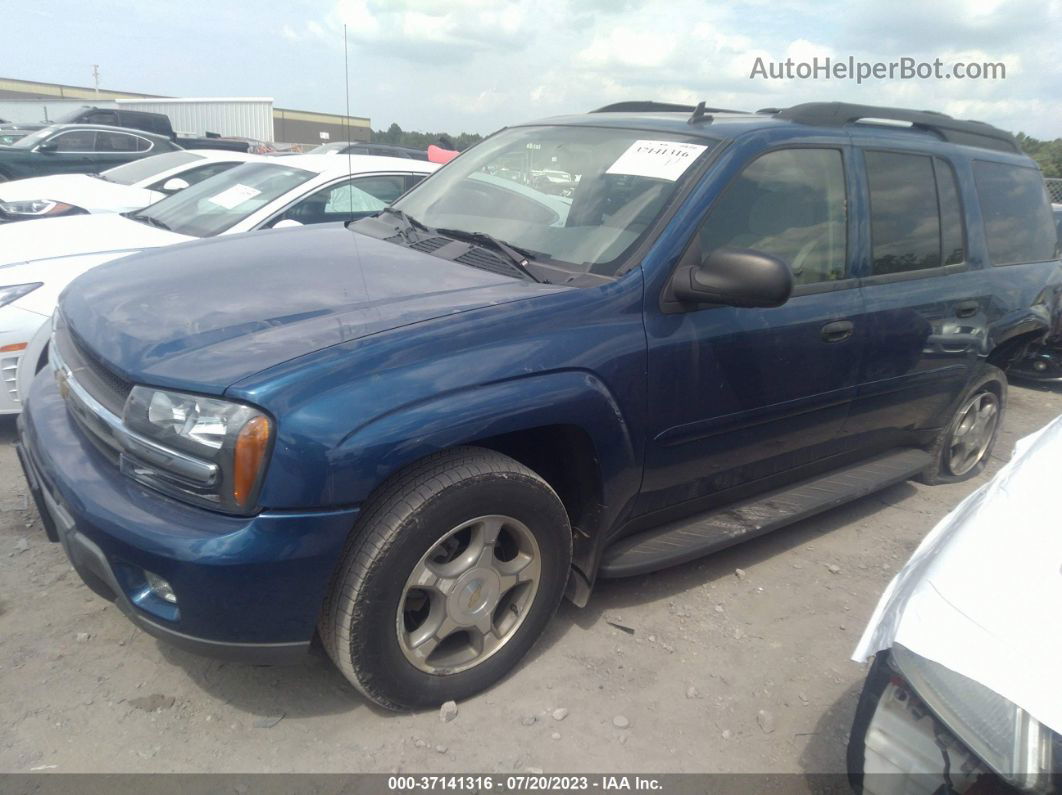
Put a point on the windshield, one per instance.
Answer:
(33, 138)
(578, 197)
(215, 204)
(148, 167)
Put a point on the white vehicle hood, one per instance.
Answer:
(54, 274)
(981, 594)
(80, 190)
(80, 234)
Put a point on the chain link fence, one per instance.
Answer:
(1054, 189)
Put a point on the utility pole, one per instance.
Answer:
(96, 77)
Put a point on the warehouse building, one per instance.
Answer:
(244, 117)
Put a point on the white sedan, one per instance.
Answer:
(38, 260)
(964, 686)
(124, 188)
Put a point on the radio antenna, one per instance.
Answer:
(346, 123)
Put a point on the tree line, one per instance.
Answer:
(1048, 154)
(420, 140)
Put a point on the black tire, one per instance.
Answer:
(990, 380)
(399, 525)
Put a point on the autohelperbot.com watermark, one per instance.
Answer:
(906, 68)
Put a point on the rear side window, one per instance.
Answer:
(790, 204)
(1017, 216)
(905, 219)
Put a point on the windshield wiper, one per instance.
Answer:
(408, 221)
(147, 219)
(516, 256)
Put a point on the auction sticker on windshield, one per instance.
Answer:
(234, 196)
(656, 159)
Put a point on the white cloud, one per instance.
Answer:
(464, 64)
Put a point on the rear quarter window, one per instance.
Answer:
(1017, 215)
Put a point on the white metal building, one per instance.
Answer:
(247, 117)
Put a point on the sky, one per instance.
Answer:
(462, 65)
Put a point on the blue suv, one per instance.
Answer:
(591, 346)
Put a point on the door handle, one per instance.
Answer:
(967, 309)
(838, 331)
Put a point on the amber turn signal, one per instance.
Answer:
(18, 346)
(251, 446)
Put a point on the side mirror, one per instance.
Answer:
(735, 277)
(287, 223)
(174, 185)
(48, 147)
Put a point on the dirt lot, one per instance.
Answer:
(717, 669)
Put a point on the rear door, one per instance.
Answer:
(115, 148)
(740, 397)
(926, 304)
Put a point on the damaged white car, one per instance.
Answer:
(963, 694)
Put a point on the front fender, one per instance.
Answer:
(374, 451)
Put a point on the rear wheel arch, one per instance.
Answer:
(1008, 351)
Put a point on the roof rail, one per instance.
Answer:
(958, 131)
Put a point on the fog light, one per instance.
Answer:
(160, 588)
(1039, 366)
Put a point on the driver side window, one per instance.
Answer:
(790, 204)
(75, 141)
(346, 200)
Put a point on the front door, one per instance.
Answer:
(742, 397)
(73, 153)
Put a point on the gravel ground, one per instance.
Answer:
(737, 663)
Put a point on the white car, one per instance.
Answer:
(964, 687)
(38, 260)
(124, 188)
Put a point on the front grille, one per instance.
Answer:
(98, 380)
(9, 376)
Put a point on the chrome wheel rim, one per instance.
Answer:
(468, 595)
(973, 432)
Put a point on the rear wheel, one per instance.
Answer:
(964, 446)
(453, 573)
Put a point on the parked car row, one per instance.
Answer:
(408, 435)
(212, 193)
(131, 186)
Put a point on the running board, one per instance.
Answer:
(688, 539)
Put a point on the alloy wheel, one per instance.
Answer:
(468, 595)
(973, 433)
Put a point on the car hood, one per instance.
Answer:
(92, 194)
(78, 234)
(205, 315)
(981, 593)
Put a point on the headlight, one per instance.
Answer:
(38, 208)
(1003, 735)
(13, 292)
(211, 451)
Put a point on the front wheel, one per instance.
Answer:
(965, 444)
(450, 577)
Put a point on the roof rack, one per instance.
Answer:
(958, 131)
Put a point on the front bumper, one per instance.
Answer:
(248, 588)
(17, 327)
